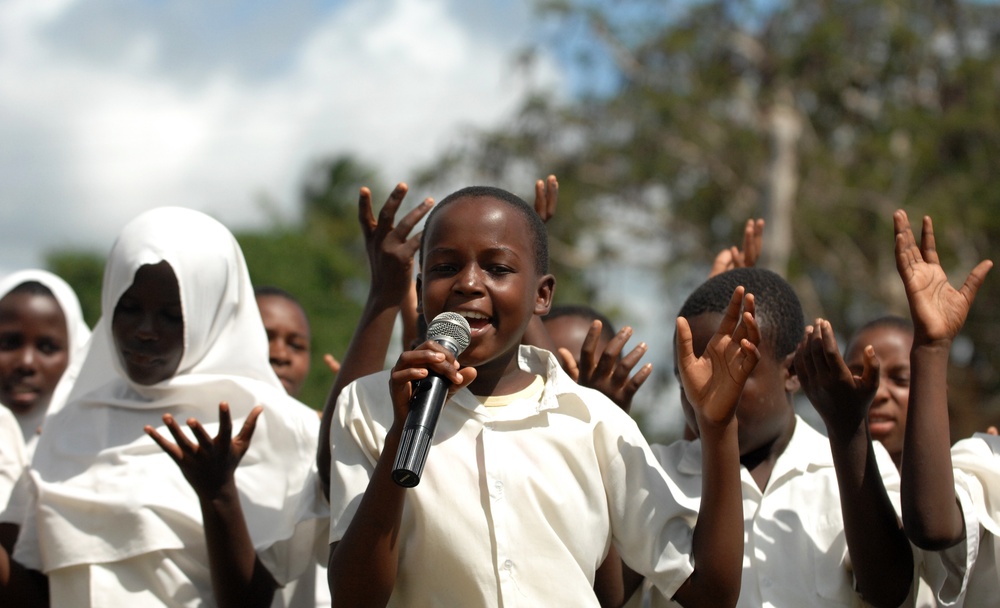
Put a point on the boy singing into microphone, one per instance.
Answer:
(530, 477)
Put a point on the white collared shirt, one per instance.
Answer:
(968, 574)
(517, 506)
(795, 552)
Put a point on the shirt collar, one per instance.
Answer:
(536, 361)
(807, 450)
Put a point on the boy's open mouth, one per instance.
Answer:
(478, 322)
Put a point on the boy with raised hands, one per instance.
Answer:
(804, 545)
(951, 495)
(530, 478)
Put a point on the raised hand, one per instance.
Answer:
(208, 464)
(390, 247)
(713, 382)
(841, 398)
(733, 257)
(546, 197)
(608, 372)
(938, 310)
(332, 363)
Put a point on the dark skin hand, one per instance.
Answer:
(712, 384)
(390, 248)
(932, 517)
(546, 197)
(734, 257)
(209, 465)
(608, 372)
(880, 553)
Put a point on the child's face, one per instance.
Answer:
(887, 416)
(148, 325)
(479, 261)
(764, 412)
(34, 350)
(288, 340)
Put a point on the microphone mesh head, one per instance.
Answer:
(452, 327)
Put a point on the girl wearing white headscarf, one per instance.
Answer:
(116, 522)
(77, 334)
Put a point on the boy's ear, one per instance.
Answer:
(420, 295)
(792, 383)
(543, 294)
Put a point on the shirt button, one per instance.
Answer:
(508, 565)
(498, 485)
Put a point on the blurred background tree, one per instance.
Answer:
(687, 118)
(821, 117)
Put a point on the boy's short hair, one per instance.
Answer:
(271, 290)
(539, 235)
(264, 291)
(886, 322)
(584, 312)
(778, 310)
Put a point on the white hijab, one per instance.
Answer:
(106, 491)
(77, 334)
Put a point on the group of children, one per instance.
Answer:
(539, 489)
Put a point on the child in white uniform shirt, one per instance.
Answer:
(951, 496)
(807, 542)
(518, 504)
(116, 523)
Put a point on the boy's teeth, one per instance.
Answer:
(474, 315)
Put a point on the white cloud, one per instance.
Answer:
(92, 137)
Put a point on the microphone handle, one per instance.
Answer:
(428, 398)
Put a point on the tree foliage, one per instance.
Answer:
(822, 117)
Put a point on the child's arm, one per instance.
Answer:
(364, 562)
(608, 372)
(390, 258)
(931, 514)
(20, 586)
(880, 554)
(238, 577)
(546, 201)
(712, 384)
(733, 257)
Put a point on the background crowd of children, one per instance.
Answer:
(539, 490)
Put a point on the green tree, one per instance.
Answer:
(321, 260)
(821, 117)
(84, 271)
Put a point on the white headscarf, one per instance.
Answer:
(106, 491)
(77, 334)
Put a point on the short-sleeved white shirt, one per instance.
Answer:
(795, 552)
(968, 574)
(517, 507)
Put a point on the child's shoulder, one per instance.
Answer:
(979, 455)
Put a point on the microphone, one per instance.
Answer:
(451, 331)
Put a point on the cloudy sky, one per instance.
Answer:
(108, 108)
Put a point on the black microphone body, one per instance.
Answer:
(452, 331)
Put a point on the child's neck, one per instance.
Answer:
(500, 377)
(760, 462)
